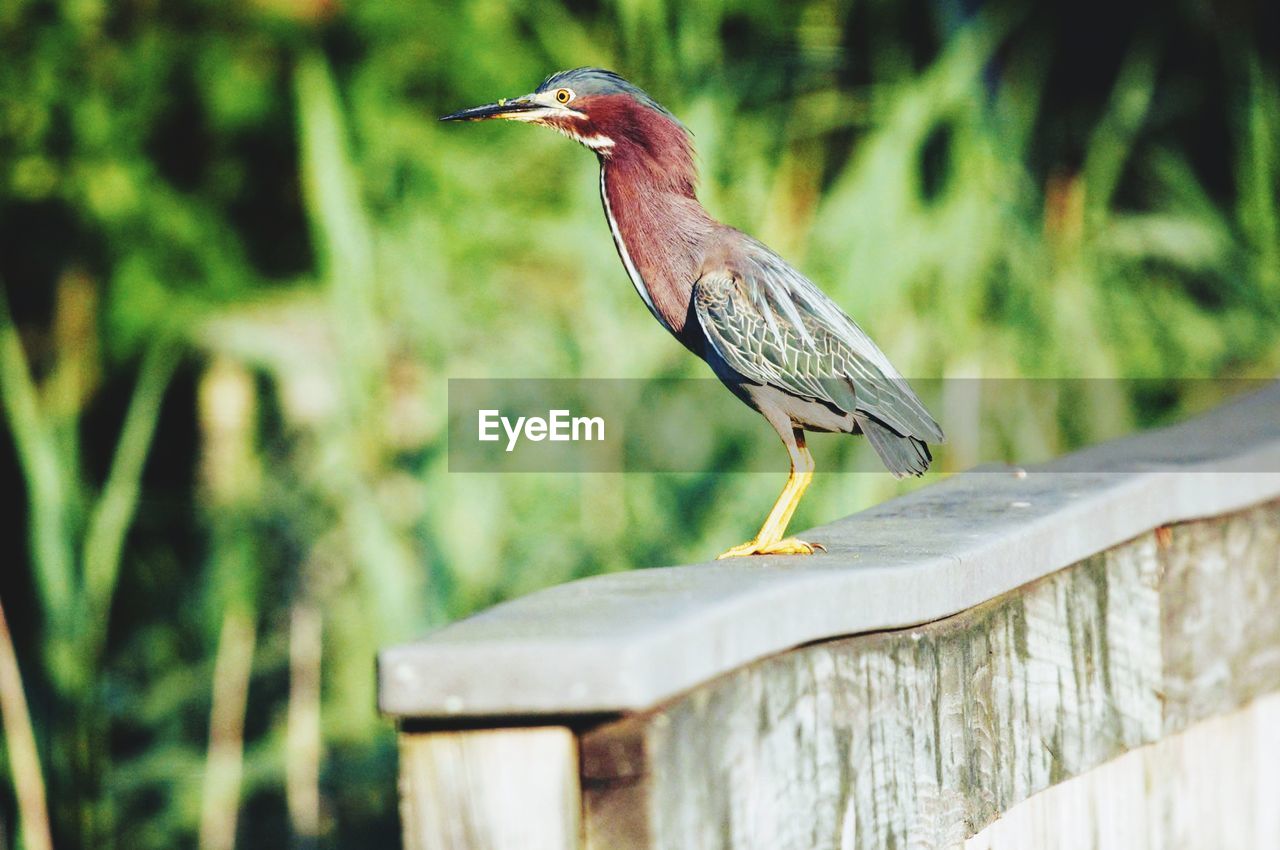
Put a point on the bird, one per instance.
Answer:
(771, 336)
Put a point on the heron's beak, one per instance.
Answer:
(518, 109)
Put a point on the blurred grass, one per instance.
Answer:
(243, 259)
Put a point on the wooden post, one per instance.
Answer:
(1091, 645)
(919, 738)
(504, 789)
(1214, 785)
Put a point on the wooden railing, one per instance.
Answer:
(1057, 657)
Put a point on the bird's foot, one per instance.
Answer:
(788, 546)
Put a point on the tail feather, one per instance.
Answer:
(902, 455)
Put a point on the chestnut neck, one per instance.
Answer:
(648, 181)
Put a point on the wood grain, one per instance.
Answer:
(1212, 786)
(1094, 625)
(508, 789)
(1221, 623)
(920, 738)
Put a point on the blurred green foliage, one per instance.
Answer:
(241, 259)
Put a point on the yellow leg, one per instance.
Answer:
(769, 540)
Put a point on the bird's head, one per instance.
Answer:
(595, 107)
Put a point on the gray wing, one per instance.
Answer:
(774, 327)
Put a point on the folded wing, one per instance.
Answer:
(775, 327)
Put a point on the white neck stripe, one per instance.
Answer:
(632, 271)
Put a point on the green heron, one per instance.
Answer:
(769, 334)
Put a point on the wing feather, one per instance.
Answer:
(775, 327)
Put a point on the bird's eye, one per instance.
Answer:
(564, 96)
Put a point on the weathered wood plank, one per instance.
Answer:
(920, 738)
(509, 789)
(625, 642)
(1214, 785)
(1067, 623)
(1221, 628)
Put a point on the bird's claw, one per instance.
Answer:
(788, 546)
